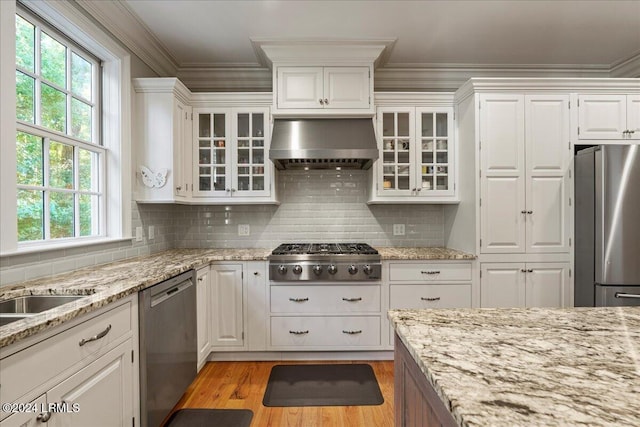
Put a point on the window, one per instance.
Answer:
(60, 162)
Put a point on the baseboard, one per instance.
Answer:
(302, 355)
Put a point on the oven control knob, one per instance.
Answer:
(297, 269)
(366, 269)
(282, 269)
(317, 269)
(352, 269)
(332, 269)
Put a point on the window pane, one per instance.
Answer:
(53, 60)
(60, 165)
(54, 109)
(25, 44)
(88, 215)
(80, 76)
(61, 214)
(80, 120)
(88, 170)
(25, 86)
(30, 215)
(29, 159)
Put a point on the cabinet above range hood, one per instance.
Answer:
(348, 143)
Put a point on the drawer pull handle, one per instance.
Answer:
(299, 332)
(298, 299)
(359, 331)
(43, 417)
(430, 298)
(352, 299)
(430, 272)
(626, 295)
(95, 337)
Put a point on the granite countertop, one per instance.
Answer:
(523, 367)
(392, 253)
(108, 283)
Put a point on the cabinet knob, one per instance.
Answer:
(523, 212)
(321, 101)
(529, 212)
(179, 188)
(43, 417)
(523, 270)
(326, 101)
(530, 271)
(255, 273)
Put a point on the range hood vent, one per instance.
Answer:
(323, 144)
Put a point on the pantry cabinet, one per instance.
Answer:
(525, 155)
(231, 152)
(323, 88)
(525, 285)
(417, 155)
(608, 117)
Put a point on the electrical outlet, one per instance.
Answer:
(244, 230)
(398, 229)
(152, 232)
(138, 234)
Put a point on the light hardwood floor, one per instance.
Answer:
(241, 385)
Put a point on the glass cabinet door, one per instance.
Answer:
(396, 130)
(434, 153)
(212, 153)
(250, 155)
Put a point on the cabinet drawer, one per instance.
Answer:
(34, 366)
(311, 299)
(430, 296)
(325, 331)
(429, 272)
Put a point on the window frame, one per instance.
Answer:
(69, 19)
(47, 135)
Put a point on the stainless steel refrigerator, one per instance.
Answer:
(607, 226)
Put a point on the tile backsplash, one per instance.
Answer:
(315, 206)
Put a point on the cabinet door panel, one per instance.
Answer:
(502, 220)
(226, 305)
(212, 153)
(633, 115)
(203, 289)
(300, 87)
(103, 392)
(27, 419)
(346, 87)
(502, 134)
(602, 116)
(547, 285)
(502, 285)
(547, 134)
(547, 224)
(429, 296)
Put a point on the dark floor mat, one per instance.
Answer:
(322, 385)
(210, 418)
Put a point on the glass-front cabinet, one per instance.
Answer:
(231, 150)
(416, 155)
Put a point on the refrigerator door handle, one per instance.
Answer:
(625, 295)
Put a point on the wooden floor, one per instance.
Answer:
(241, 385)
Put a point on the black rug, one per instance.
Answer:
(322, 385)
(210, 418)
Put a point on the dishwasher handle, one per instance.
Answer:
(161, 297)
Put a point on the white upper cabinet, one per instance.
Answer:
(417, 155)
(162, 123)
(525, 155)
(230, 154)
(609, 117)
(323, 88)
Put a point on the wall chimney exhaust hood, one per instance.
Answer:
(348, 143)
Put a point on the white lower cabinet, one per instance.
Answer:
(430, 296)
(203, 297)
(226, 306)
(83, 374)
(525, 285)
(325, 332)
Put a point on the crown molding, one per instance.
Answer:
(322, 51)
(226, 79)
(122, 22)
(627, 67)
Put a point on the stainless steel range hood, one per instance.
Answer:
(323, 143)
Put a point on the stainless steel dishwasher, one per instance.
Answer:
(168, 349)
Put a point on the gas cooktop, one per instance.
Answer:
(324, 262)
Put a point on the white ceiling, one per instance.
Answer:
(532, 34)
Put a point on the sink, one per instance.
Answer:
(34, 303)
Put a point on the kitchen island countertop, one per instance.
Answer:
(523, 367)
